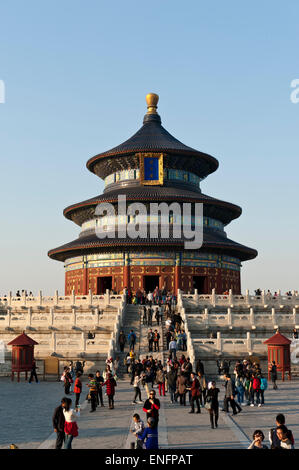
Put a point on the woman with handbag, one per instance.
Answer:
(212, 404)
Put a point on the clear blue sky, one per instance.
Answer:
(76, 75)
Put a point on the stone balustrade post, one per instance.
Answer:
(73, 297)
(219, 341)
(9, 298)
(213, 297)
(51, 316)
(8, 316)
(206, 316)
(247, 296)
(90, 299)
(294, 316)
(74, 319)
(251, 318)
(196, 295)
(56, 298)
(263, 297)
(229, 318)
(107, 297)
(53, 342)
(40, 298)
(23, 300)
(249, 342)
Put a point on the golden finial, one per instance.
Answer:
(152, 101)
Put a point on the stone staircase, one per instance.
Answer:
(131, 322)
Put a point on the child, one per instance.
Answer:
(138, 430)
(92, 385)
(151, 435)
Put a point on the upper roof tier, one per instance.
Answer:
(151, 137)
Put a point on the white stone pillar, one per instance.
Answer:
(40, 298)
(53, 341)
(249, 342)
(9, 298)
(251, 318)
(206, 316)
(247, 296)
(29, 316)
(73, 297)
(263, 297)
(90, 297)
(196, 295)
(56, 298)
(23, 300)
(51, 316)
(214, 297)
(107, 297)
(219, 341)
(229, 318)
(74, 315)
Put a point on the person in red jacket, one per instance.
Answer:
(77, 388)
(151, 407)
(110, 390)
(195, 393)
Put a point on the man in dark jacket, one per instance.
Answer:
(200, 367)
(171, 383)
(151, 407)
(58, 425)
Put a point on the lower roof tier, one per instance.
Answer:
(212, 242)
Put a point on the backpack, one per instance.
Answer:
(264, 384)
(256, 384)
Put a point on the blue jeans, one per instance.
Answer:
(172, 393)
(68, 441)
(240, 395)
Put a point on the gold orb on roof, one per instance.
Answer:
(152, 102)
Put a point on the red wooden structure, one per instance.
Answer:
(279, 351)
(22, 355)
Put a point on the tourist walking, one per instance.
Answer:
(122, 341)
(229, 396)
(150, 435)
(212, 404)
(67, 379)
(195, 393)
(181, 388)
(92, 385)
(151, 407)
(138, 430)
(171, 383)
(156, 340)
(58, 421)
(273, 372)
(33, 372)
(132, 339)
(173, 348)
(99, 384)
(110, 390)
(203, 388)
(70, 425)
(150, 339)
(160, 379)
(137, 388)
(77, 388)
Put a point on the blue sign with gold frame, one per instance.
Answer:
(151, 168)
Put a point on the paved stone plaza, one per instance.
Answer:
(26, 413)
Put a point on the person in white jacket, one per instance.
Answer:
(70, 425)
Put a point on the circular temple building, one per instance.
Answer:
(151, 167)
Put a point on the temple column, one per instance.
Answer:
(177, 272)
(85, 278)
(126, 277)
